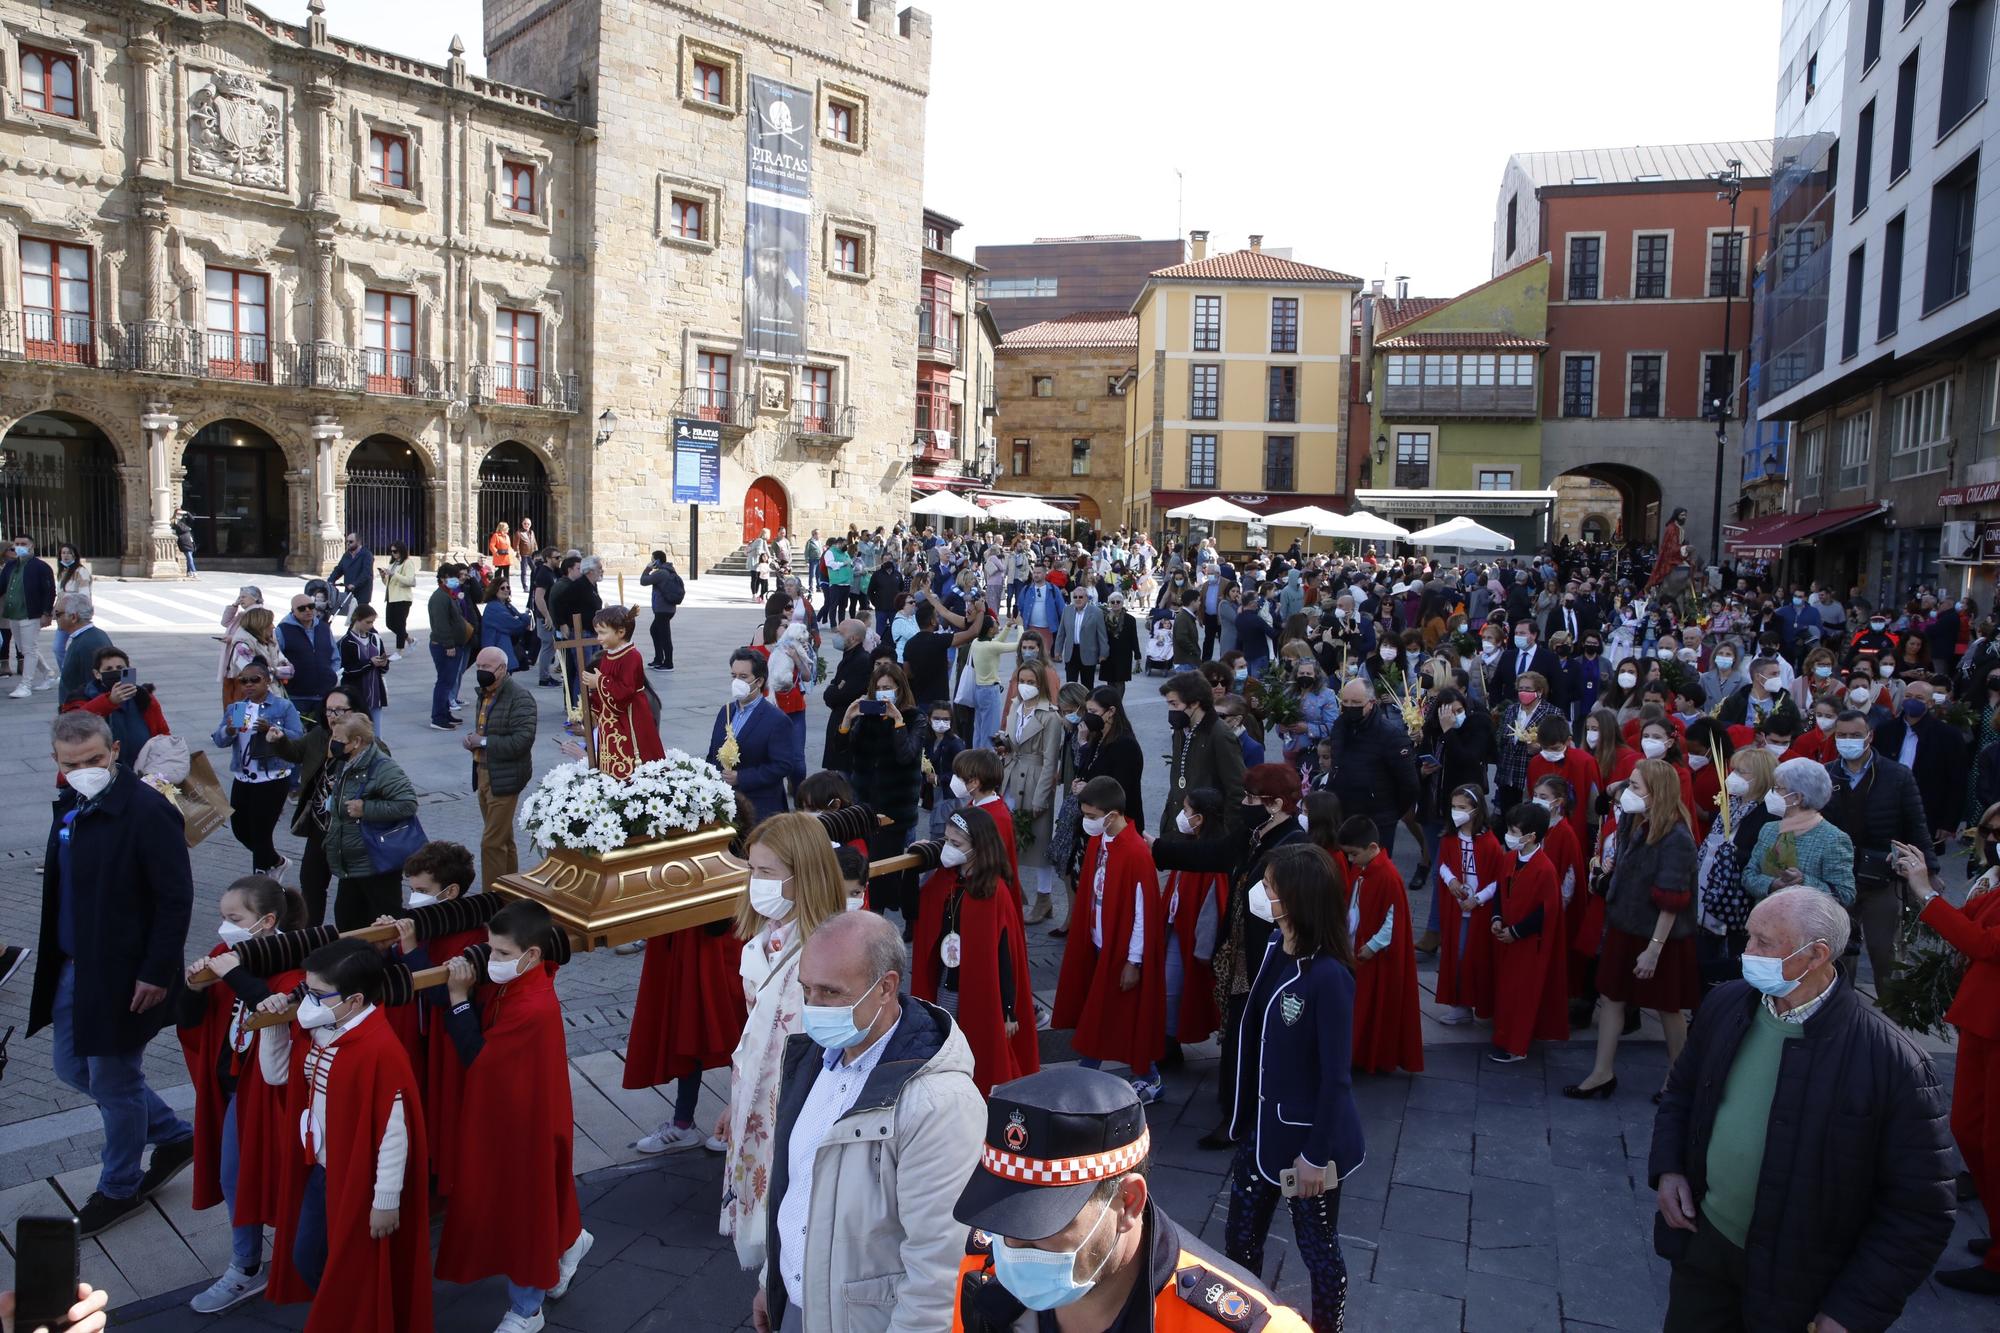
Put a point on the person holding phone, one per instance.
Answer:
(261, 777)
(86, 1316)
(113, 692)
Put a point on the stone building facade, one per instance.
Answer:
(1064, 412)
(956, 344)
(298, 285)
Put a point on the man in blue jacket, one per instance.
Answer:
(117, 894)
(308, 645)
(27, 601)
(767, 750)
(355, 571)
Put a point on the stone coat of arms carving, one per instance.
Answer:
(236, 131)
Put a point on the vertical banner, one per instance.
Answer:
(777, 222)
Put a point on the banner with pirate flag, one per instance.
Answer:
(777, 222)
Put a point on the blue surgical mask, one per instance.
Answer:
(452, 584)
(1914, 708)
(833, 1026)
(1521, 641)
(1851, 747)
(1768, 974)
(21, 552)
(1046, 1279)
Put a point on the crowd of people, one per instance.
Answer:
(1706, 796)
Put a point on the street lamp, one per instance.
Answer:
(1381, 455)
(1730, 179)
(607, 426)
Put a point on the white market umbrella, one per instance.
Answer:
(1215, 509)
(947, 504)
(1027, 509)
(1360, 526)
(1463, 533)
(1305, 516)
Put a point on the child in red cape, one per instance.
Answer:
(360, 1242)
(1469, 865)
(1530, 980)
(1565, 852)
(1113, 985)
(514, 1215)
(1197, 906)
(238, 1138)
(967, 954)
(436, 872)
(1572, 763)
(976, 776)
(1388, 1019)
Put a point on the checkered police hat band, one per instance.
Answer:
(1066, 1170)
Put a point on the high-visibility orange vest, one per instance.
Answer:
(1198, 1300)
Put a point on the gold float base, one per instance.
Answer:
(639, 891)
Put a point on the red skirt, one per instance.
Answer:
(1674, 985)
(690, 1010)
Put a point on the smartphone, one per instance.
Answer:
(46, 1251)
(1288, 1182)
(129, 676)
(872, 707)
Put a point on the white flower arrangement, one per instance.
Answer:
(579, 808)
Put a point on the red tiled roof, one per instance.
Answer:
(1092, 328)
(1404, 341)
(1393, 312)
(1253, 266)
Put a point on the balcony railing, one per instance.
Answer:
(155, 348)
(502, 385)
(735, 412)
(935, 343)
(822, 423)
(1458, 400)
(1282, 408)
(935, 447)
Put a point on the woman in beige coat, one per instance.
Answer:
(1031, 743)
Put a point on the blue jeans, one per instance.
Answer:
(523, 1300)
(190, 560)
(246, 1243)
(985, 716)
(687, 1095)
(62, 644)
(132, 1112)
(309, 1241)
(446, 688)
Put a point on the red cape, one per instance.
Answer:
(1670, 556)
(381, 1285)
(1128, 1027)
(984, 926)
(1466, 979)
(440, 1075)
(1388, 1021)
(513, 1210)
(1530, 975)
(266, 1138)
(1199, 1016)
(1579, 769)
(201, 1048)
(1003, 820)
(690, 1011)
(261, 1147)
(1587, 914)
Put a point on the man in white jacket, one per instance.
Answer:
(879, 1126)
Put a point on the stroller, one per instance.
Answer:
(1159, 644)
(330, 600)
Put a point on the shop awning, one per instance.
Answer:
(1766, 538)
(946, 483)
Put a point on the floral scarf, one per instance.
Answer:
(755, 1070)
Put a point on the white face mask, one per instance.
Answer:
(1184, 822)
(1093, 825)
(1260, 904)
(313, 1014)
(1737, 784)
(1653, 747)
(953, 855)
(740, 688)
(233, 934)
(940, 725)
(1546, 804)
(1885, 669)
(1389, 654)
(1028, 693)
(1631, 802)
(423, 899)
(959, 789)
(1775, 804)
(1824, 723)
(767, 898)
(1697, 762)
(500, 971)
(1627, 679)
(1513, 841)
(1777, 747)
(89, 783)
(1460, 818)
(1590, 737)
(1858, 697)
(1553, 756)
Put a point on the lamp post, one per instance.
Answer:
(1730, 179)
(1381, 456)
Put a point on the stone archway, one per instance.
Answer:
(513, 485)
(60, 481)
(234, 488)
(387, 494)
(1638, 499)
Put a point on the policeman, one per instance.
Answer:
(1061, 1217)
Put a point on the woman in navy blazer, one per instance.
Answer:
(766, 748)
(1295, 1112)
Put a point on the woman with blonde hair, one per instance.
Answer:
(253, 638)
(1648, 957)
(794, 889)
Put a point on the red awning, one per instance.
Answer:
(920, 483)
(1766, 538)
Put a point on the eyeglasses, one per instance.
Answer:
(338, 712)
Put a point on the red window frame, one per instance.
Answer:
(934, 410)
(389, 160)
(517, 356)
(690, 216)
(390, 342)
(711, 83)
(846, 253)
(517, 186)
(840, 117)
(816, 397)
(239, 349)
(47, 99)
(713, 372)
(53, 327)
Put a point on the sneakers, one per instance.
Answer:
(21, 691)
(169, 1160)
(278, 871)
(1149, 1089)
(521, 1323)
(48, 684)
(669, 1137)
(567, 1265)
(630, 947)
(11, 959)
(1500, 1057)
(229, 1291)
(395, 657)
(1456, 1015)
(101, 1212)
(715, 1143)
(445, 726)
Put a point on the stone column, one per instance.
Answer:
(328, 540)
(159, 423)
(148, 51)
(155, 274)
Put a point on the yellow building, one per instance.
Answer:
(1241, 389)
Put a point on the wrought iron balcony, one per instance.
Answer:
(821, 423)
(500, 385)
(736, 413)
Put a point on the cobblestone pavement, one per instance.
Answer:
(1487, 1201)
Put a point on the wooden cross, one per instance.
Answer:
(578, 642)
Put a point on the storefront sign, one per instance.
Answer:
(697, 462)
(1989, 542)
(1970, 495)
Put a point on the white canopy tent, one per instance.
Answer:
(1215, 509)
(1305, 516)
(947, 504)
(1027, 509)
(1463, 534)
(1361, 526)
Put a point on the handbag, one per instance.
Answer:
(389, 845)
